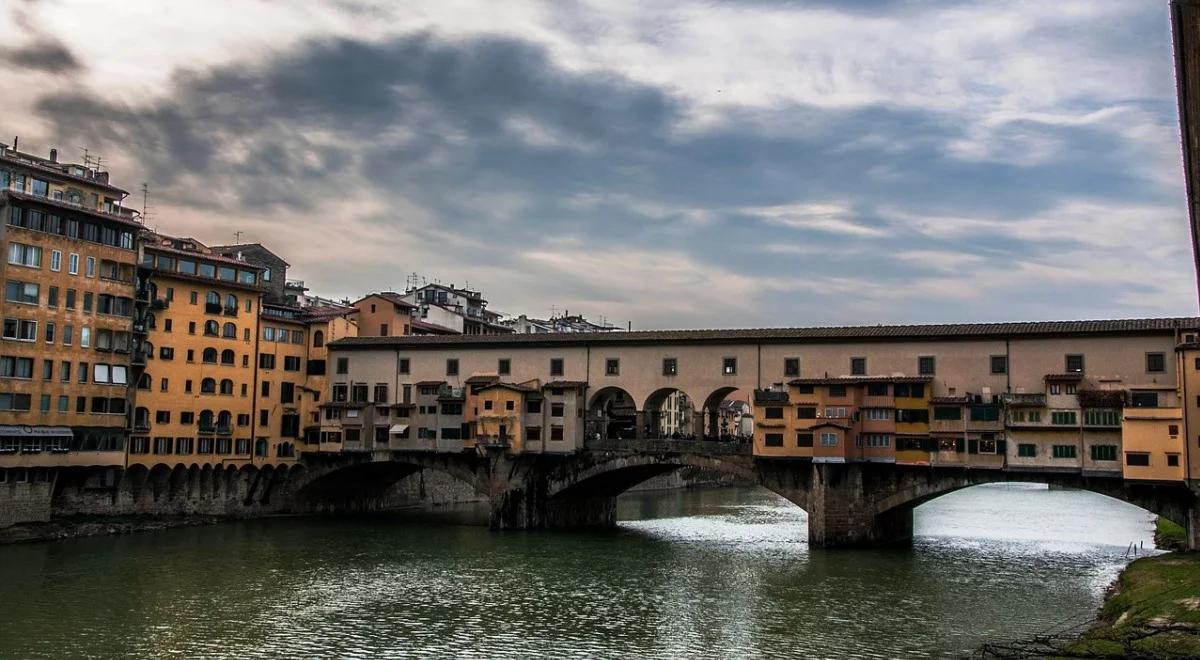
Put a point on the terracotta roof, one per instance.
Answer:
(833, 424)
(508, 386)
(482, 378)
(327, 312)
(429, 383)
(860, 380)
(564, 384)
(241, 248)
(158, 247)
(390, 296)
(433, 327)
(1074, 377)
(795, 335)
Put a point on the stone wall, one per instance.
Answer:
(25, 502)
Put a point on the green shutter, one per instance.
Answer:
(972, 446)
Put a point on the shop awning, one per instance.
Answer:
(36, 431)
(398, 428)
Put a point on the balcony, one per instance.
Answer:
(207, 428)
(160, 303)
(1037, 399)
(224, 429)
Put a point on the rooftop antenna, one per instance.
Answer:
(237, 238)
(87, 159)
(147, 209)
(99, 160)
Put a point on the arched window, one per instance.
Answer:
(151, 320)
(227, 357)
(318, 339)
(209, 356)
(212, 302)
(148, 349)
(212, 328)
(144, 381)
(206, 420)
(227, 386)
(141, 419)
(229, 331)
(231, 304)
(224, 421)
(208, 386)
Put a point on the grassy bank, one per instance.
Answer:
(1153, 612)
(1169, 536)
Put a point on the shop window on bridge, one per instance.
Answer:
(1104, 452)
(1138, 459)
(1063, 451)
(791, 367)
(163, 446)
(806, 412)
(1144, 399)
(1027, 450)
(139, 445)
(947, 413)
(774, 413)
(183, 446)
(829, 440)
(804, 439)
(204, 446)
(773, 440)
(985, 414)
(671, 366)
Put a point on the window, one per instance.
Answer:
(162, 417)
(318, 338)
(829, 439)
(1156, 362)
(877, 389)
(265, 387)
(879, 414)
(16, 367)
(985, 414)
(858, 366)
(947, 413)
(774, 413)
(912, 416)
(773, 440)
(879, 441)
(212, 329)
(612, 367)
(1074, 364)
(229, 331)
(267, 361)
(1101, 418)
(806, 412)
(1172, 460)
(1063, 417)
(487, 405)
(1063, 451)
(556, 366)
(533, 433)
(670, 366)
(533, 406)
(209, 356)
(1026, 450)
(1173, 430)
(342, 365)
(85, 336)
(21, 292)
(403, 366)
(451, 366)
(20, 329)
(228, 356)
(926, 365)
(1137, 458)
(804, 439)
(504, 366)
(837, 390)
(1144, 399)
(556, 410)
(1071, 388)
(25, 255)
(791, 367)
(1055, 388)
(729, 366)
(90, 267)
(73, 264)
(381, 393)
(290, 362)
(1104, 452)
(55, 260)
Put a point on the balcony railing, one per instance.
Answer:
(1023, 399)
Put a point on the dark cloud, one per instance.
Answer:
(464, 128)
(44, 54)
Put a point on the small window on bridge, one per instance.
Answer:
(556, 410)
(1172, 460)
(452, 367)
(1027, 450)
(1074, 364)
(1104, 452)
(877, 389)
(926, 365)
(504, 366)
(791, 367)
(858, 366)
(1156, 362)
(999, 364)
(404, 366)
(670, 366)
(837, 390)
(804, 439)
(612, 367)
(1063, 451)
(556, 366)
(806, 412)
(556, 433)
(533, 406)
(729, 366)
(533, 433)
(773, 440)
(774, 413)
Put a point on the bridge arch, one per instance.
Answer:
(611, 413)
(362, 485)
(723, 413)
(669, 413)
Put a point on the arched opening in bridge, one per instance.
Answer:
(612, 413)
(728, 415)
(669, 413)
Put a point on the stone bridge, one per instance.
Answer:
(848, 504)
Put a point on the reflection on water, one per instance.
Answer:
(718, 573)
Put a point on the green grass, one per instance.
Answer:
(1169, 536)
(1154, 612)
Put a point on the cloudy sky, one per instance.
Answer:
(671, 163)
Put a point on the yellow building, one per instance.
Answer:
(195, 402)
(499, 411)
(68, 309)
(1153, 444)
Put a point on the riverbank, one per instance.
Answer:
(70, 527)
(1152, 611)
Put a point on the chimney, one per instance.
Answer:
(54, 155)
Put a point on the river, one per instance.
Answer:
(698, 573)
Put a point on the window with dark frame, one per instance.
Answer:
(926, 365)
(791, 367)
(999, 364)
(858, 366)
(1156, 362)
(612, 367)
(670, 366)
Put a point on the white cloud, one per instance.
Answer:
(832, 218)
